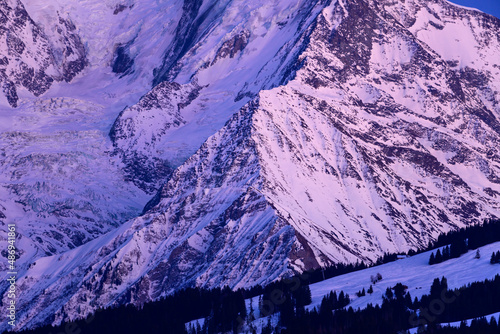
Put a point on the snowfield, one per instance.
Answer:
(414, 272)
(277, 136)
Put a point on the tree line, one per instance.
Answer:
(460, 241)
(225, 310)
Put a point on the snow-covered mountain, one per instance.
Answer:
(60, 182)
(336, 131)
(77, 64)
(223, 54)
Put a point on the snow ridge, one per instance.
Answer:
(342, 130)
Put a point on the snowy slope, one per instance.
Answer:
(70, 67)
(224, 53)
(353, 137)
(414, 272)
(126, 37)
(59, 180)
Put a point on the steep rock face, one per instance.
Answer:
(377, 142)
(194, 233)
(262, 52)
(123, 38)
(28, 59)
(166, 102)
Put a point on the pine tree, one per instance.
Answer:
(495, 257)
(416, 303)
(436, 288)
(261, 306)
(198, 328)
(303, 295)
(251, 316)
(370, 290)
(341, 300)
(444, 283)
(439, 257)
(399, 291)
(446, 253)
(308, 295)
(408, 301)
(478, 255)
(389, 294)
(325, 307)
(334, 299)
(432, 259)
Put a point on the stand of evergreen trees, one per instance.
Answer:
(464, 239)
(477, 326)
(398, 313)
(495, 258)
(457, 248)
(225, 312)
(476, 235)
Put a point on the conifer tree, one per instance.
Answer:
(416, 303)
(389, 294)
(251, 316)
(444, 283)
(493, 322)
(408, 301)
(439, 257)
(446, 253)
(341, 299)
(436, 288)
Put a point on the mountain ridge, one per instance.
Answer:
(373, 138)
